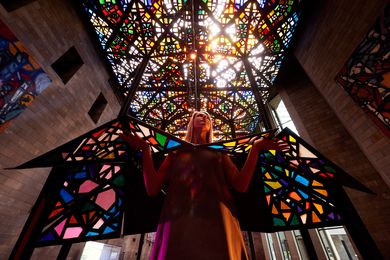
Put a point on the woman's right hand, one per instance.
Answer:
(134, 141)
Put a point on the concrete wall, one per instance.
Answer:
(47, 29)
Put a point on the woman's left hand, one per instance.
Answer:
(269, 144)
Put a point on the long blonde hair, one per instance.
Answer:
(190, 128)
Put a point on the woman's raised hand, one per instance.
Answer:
(269, 144)
(134, 141)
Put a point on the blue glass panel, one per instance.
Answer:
(66, 196)
(172, 143)
(302, 180)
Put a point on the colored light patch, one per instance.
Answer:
(87, 186)
(230, 144)
(145, 131)
(295, 196)
(304, 195)
(48, 237)
(284, 206)
(303, 152)
(278, 222)
(216, 147)
(72, 232)
(304, 218)
(106, 199)
(152, 141)
(161, 139)
(66, 196)
(321, 191)
(73, 220)
(286, 215)
(319, 208)
(273, 184)
(80, 175)
(243, 140)
(60, 227)
(317, 184)
(315, 218)
(104, 168)
(108, 230)
(98, 224)
(314, 170)
(268, 198)
(55, 212)
(292, 139)
(302, 180)
(172, 143)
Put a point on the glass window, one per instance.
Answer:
(94, 250)
(284, 246)
(336, 243)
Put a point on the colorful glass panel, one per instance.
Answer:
(297, 184)
(366, 75)
(172, 57)
(88, 205)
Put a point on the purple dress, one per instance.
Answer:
(198, 219)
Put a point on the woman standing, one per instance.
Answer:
(198, 219)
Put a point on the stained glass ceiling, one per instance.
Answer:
(171, 57)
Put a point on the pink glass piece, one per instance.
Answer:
(117, 169)
(72, 232)
(108, 176)
(106, 198)
(87, 186)
(98, 224)
(105, 167)
(60, 227)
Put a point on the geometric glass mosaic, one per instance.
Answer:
(294, 188)
(88, 205)
(172, 57)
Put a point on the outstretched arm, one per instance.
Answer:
(240, 179)
(153, 180)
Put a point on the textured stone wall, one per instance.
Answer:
(331, 31)
(47, 29)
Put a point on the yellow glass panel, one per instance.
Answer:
(292, 139)
(287, 172)
(323, 192)
(317, 184)
(319, 208)
(268, 176)
(230, 144)
(273, 184)
(248, 148)
(273, 152)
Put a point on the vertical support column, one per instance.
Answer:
(64, 251)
